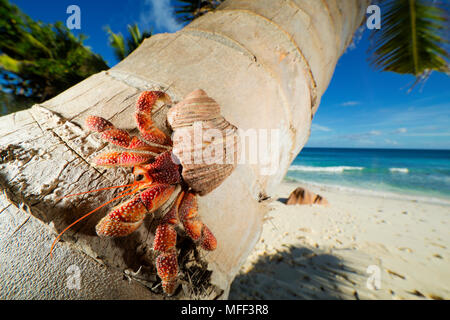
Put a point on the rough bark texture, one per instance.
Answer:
(266, 62)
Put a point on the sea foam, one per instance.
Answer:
(401, 170)
(338, 169)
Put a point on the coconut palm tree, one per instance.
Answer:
(123, 48)
(413, 38)
(266, 62)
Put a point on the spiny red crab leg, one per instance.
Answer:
(164, 244)
(184, 210)
(117, 136)
(155, 181)
(149, 132)
(124, 159)
(194, 227)
(162, 175)
(128, 216)
(121, 138)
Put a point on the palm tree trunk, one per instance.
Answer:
(266, 62)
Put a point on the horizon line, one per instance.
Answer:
(375, 148)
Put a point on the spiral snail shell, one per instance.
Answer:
(204, 142)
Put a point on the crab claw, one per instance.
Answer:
(123, 219)
(128, 216)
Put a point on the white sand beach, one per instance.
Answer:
(362, 246)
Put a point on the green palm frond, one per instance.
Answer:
(136, 37)
(135, 33)
(412, 38)
(117, 41)
(9, 64)
(39, 60)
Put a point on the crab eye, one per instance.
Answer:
(139, 177)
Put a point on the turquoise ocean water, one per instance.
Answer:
(424, 173)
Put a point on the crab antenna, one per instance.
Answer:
(101, 189)
(121, 194)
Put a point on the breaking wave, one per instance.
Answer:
(401, 170)
(338, 169)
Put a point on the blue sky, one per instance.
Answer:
(361, 107)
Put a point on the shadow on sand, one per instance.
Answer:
(298, 273)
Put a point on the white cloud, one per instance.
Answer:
(350, 103)
(316, 127)
(374, 133)
(159, 13)
(401, 130)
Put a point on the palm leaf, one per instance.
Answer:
(188, 10)
(136, 37)
(412, 38)
(38, 60)
(135, 34)
(117, 42)
(9, 64)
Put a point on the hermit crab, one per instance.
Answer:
(159, 164)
